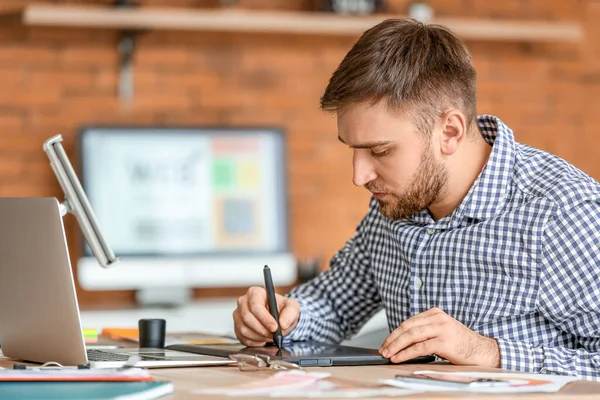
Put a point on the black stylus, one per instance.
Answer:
(272, 302)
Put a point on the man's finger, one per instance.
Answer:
(425, 348)
(290, 311)
(415, 320)
(281, 300)
(236, 324)
(250, 320)
(257, 305)
(412, 322)
(410, 337)
(252, 343)
(250, 334)
(243, 332)
(247, 317)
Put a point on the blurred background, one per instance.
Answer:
(538, 65)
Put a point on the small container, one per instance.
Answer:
(152, 333)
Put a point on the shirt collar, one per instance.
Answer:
(491, 189)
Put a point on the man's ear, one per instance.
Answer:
(453, 132)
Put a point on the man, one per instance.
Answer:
(481, 250)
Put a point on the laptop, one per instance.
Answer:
(305, 354)
(39, 314)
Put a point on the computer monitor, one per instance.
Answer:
(187, 207)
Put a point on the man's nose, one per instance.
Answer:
(363, 171)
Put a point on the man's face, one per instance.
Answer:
(392, 159)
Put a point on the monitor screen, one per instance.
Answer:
(187, 191)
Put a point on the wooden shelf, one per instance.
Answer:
(237, 20)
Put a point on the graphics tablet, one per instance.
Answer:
(305, 354)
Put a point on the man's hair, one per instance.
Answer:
(419, 69)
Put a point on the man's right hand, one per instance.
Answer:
(253, 323)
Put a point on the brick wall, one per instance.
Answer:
(55, 80)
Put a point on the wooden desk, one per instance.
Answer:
(187, 380)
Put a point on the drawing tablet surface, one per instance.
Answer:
(306, 354)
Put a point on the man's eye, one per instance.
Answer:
(380, 153)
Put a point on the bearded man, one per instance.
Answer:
(482, 251)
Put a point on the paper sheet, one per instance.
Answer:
(72, 374)
(519, 383)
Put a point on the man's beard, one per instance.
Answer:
(428, 182)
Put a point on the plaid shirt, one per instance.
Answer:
(518, 261)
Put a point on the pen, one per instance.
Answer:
(272, 301)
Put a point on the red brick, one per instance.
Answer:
(86, 56)
(57, 36)
(26, 99)
(277, 59)
(38, 170)
(59, 80)
(107, 79)
(505, 9)
(453, 8)
(31, 55)
(11, 166)
(143, 77)
(159, 102)
(224, 98)
(554, 9)
(15, 33)
(20, 143)
(92, 104)
(298, 5)
(10, 122)
(187, 81)
(162, 56)
(200, 117)
(23, 189)
(397, 6)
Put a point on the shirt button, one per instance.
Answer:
(418, 282)
(431, 231)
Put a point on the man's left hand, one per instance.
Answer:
(435, 332)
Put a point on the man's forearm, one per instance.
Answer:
(487, 352)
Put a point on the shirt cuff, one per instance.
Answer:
(520, 356)
(302, 329)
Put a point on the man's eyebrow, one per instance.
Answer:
(368, 145)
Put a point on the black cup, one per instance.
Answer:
(152, 333)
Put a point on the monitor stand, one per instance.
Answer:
(172, 296)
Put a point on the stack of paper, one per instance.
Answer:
(73, 383)
(74, 374)
(90, 335)
(518, 383)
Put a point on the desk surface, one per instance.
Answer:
(187, 380)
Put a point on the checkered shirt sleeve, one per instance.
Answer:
(569, 298)
(341, 299)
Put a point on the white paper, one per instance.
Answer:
(34, 373)
(519, 383)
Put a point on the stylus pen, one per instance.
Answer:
(272, 301)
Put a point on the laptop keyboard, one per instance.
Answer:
(99, 355)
